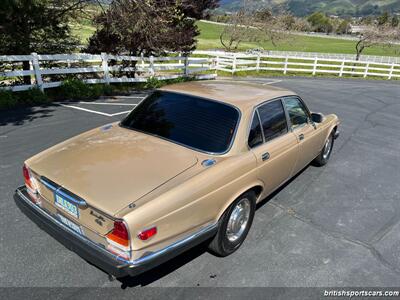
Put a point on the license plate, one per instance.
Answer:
(70, 224)
(66, 205)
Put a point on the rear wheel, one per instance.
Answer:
(325, 153)
(235, 225)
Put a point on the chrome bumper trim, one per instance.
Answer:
(115, 265)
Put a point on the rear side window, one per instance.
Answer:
(273, 119)
(255, 135)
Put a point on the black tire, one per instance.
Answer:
(323, 157)
(222, 244)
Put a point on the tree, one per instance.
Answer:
(259, 26)
(320, 22)
(343, 27)
(240, 28)
(277, 28)
(148, 27)
(395, 21)
(37, 26)
(383, 19)
(385, 35)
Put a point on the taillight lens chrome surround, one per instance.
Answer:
(30, 184)
(119, 236)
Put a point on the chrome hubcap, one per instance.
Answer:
(238, 220)
(327, 148)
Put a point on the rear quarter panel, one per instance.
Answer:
(194, 203)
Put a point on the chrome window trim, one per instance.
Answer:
(186, 146)
(262, 129)
(308, 113)
(255, 110)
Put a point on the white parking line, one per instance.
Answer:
(95, 111)
(106, 103)
(120, 113)
(129, 97)
(272, 82)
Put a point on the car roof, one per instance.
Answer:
(238, 93)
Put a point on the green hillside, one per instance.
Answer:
(339, 7)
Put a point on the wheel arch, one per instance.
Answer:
(257, 187)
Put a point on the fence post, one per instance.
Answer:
(342, 67)
(366, 70)
(186, 68)
(142, 60)
(315, 66)
(36, 69)
(391, 71)
(151, 66)
(286, 65)
(258, 62)
(104, 64)
(217, 63)
(234, 64)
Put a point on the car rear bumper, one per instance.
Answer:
(96, 253)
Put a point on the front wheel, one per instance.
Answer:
(325, 153)
(234, 225)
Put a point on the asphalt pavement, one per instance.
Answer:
(338, 225)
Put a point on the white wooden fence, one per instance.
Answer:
(240, 62)
(368, 58)
(48, 71)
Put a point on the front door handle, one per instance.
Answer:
(301, 137)
(265, 156)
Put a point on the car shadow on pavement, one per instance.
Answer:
(170, 266)
(164, 269)
(22, 115)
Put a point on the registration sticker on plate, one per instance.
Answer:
(70, 224)
(66, 205)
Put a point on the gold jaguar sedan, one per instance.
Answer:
(187, 165)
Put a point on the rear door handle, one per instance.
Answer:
(301, 137)
(265, 156)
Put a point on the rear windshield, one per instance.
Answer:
(197, 123)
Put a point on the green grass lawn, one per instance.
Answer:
(209, 39)
(83, 30)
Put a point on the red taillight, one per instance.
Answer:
(148, 233)
(119, 234)
(27, 177)
(30, 184)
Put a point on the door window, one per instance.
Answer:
(298, 114)
(273, 119)
(255, 135)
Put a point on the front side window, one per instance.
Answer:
(297, 112)
(194, 122)
(273, 119)
(255, 135)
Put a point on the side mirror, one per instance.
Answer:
(317, 117)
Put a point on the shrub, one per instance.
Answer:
(7, 99)
(153, 83)
(77, 89)
(32, 96)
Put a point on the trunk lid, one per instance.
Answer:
(111, 167)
